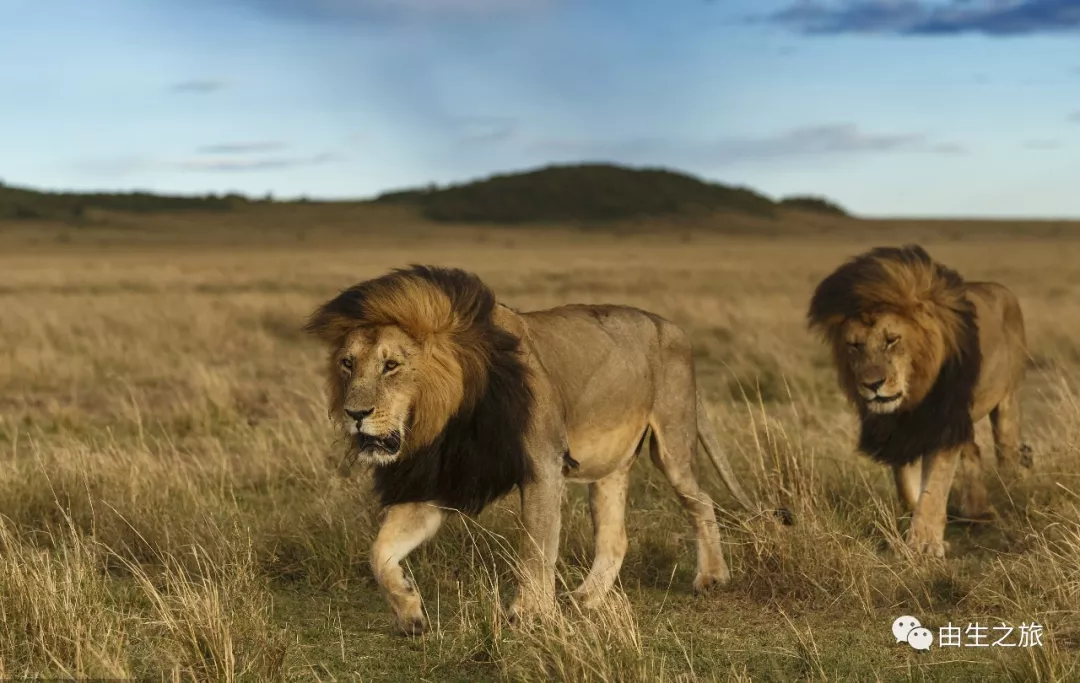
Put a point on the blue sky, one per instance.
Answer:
(891, 107)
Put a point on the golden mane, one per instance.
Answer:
(905, 281)
(442, 310)
(473, 402)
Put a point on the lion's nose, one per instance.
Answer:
(875, 385)
(359, 415)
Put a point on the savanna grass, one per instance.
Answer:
(169, 507)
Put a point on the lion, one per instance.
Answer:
(455, 399)
(923, 356)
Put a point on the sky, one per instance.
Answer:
(890, 107)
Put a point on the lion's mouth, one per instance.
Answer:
(886, 399)
(389, 445)
(884, 404)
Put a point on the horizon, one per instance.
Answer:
(931, 109)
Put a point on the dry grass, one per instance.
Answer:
(168, 505)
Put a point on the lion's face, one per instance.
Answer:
(378, 375)
(886, 358)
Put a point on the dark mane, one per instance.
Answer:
(941, 421)
(908, 282)
(479, 455)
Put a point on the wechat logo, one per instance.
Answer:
(908, 630)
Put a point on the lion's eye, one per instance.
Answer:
(890, 341)
(854, 346)
(390, 366)
(347, 364)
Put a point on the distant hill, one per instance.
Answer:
(32, 204)
(584, 192)
(816, 204)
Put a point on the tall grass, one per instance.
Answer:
(169, 507)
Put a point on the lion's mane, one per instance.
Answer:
(907, 282)
(467, 427)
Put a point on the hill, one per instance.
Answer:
(23, 203)
(552, 194)
(814, 204)
(585, 192)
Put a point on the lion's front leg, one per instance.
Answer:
(908, 480)
(926, 536)
(405, 527)
(541, 516)
(607, 503)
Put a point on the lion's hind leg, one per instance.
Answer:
(969, 486)
(672, 451)
(607, 503)
(1005, 420)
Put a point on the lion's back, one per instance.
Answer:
(1002, 338)
(997, 303)
(610, 345)
(596, 330)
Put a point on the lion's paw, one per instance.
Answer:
(412, 625)
(520, 613)
(1027, 459)
(927, 547)
(707, 583)
(583, 598)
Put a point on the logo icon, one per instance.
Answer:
(902, 626)
(920, 638)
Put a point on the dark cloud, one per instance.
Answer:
(197, 86)
(919, 17)
(238, 164)
(242, 148)
(812, 142)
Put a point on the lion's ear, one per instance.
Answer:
(827, 325)
(330, 327)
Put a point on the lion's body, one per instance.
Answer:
(923, 356)
(1002, 344)
(585, 385)
(598, 368)
(612, 371)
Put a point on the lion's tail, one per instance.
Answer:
(719, 460)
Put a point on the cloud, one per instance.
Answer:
(485, 129)
(116, 166)
(810, 142)
(367, 10)
(242, 148)
(920, 17)
(843, 138)
(1043, 144)
(239, 164)
(197, 86)
(1075, 117)
(949, 148)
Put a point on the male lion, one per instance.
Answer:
(455, 399)
(924, 355)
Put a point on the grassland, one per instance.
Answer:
(168, 506)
